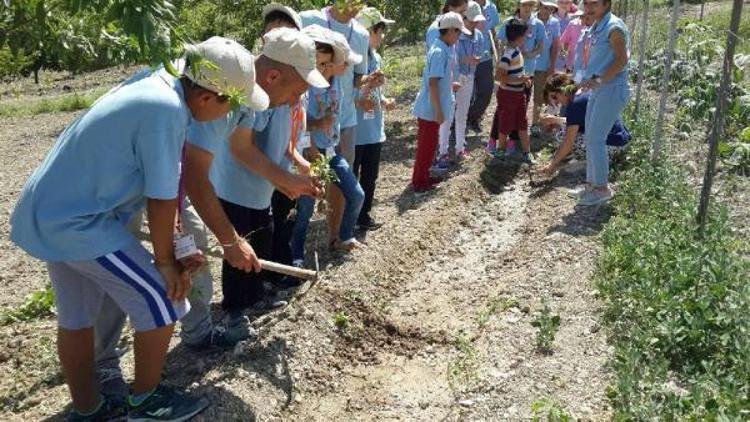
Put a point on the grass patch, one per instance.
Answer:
(37, 305)
(496, 305)
(68, 102)
(677, 305)
(465, 369)
(549, 411)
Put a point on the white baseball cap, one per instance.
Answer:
(234, 70)
(370, 16)
(292, 47)
(341, 50)
(276, 7)
(549, 3)
(452, 20)
(527, 1)
(474, 12)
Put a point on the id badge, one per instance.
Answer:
(184, 246)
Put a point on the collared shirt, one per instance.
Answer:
(602, 54)
(492, 20)
(359, 40)
(103, 167)
(552, 32)
(438, 65)
(469, 46)
(535, 36)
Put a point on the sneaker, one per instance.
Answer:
(444, 163)
(491, 147)
(595, 197)
(510, 148)
(225, 337)
(109, 411)
(299, 263)
(167, 404)
(500, 154)
(577, 192)
(369, 224)
(349, 245)
(527, 158)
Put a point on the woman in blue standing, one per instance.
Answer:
(606, 76)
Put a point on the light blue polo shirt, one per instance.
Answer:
(101, 170)
(371, 131)
(439, 65)
(601, 55)
(322, 101)
(535, 35)
(492, 20)
(551, 31)
(469, 46)
(432, 35)
(359, 41)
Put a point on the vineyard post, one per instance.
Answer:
(641, 58)
(717, 129)
(657, 144)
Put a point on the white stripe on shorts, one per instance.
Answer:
(138, 279)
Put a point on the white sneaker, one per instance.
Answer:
(595, 197)
(577, 192)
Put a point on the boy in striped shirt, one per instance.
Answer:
(512, 103)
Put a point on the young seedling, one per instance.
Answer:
(548, 325)
(321, 168)
(342, 321)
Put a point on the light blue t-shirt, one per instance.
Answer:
(320, 103)
(439, 65)
(492, 20)
(552, 32)
(359, 41)
(372, 130)
(601, 55)
(578, 69)
(536, 35)
(469, 46)
(101, 170)
(432, 35)
(238, 184)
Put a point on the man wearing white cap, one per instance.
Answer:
(230, 193)
(120, 155)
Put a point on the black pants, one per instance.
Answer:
(281, 206)
(242, 289)
(483, 86)
(366, 168)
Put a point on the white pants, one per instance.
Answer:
(463, 102)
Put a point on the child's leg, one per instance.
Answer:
(427, 134)
(370, 167)
(445, 134)
(75, 348)
(463, 102)
(336, 204)
(150, 349)
(305, 209)
(353, 193)
(502, 141)
(495, 130)
(525, 140)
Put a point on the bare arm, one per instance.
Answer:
(435, 99)
(617, 41)
(553, 55)
(567, 146)
(161, 218)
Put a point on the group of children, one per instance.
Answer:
(226, 145)
(532, 50)
(230, 145)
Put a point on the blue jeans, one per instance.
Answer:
(604, 108)
(353, 195)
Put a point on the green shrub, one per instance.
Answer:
(677, 304)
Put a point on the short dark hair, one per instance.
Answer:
(278, 15)
(514, 29)
(324, 48)
(453, 3)
(380, 26)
